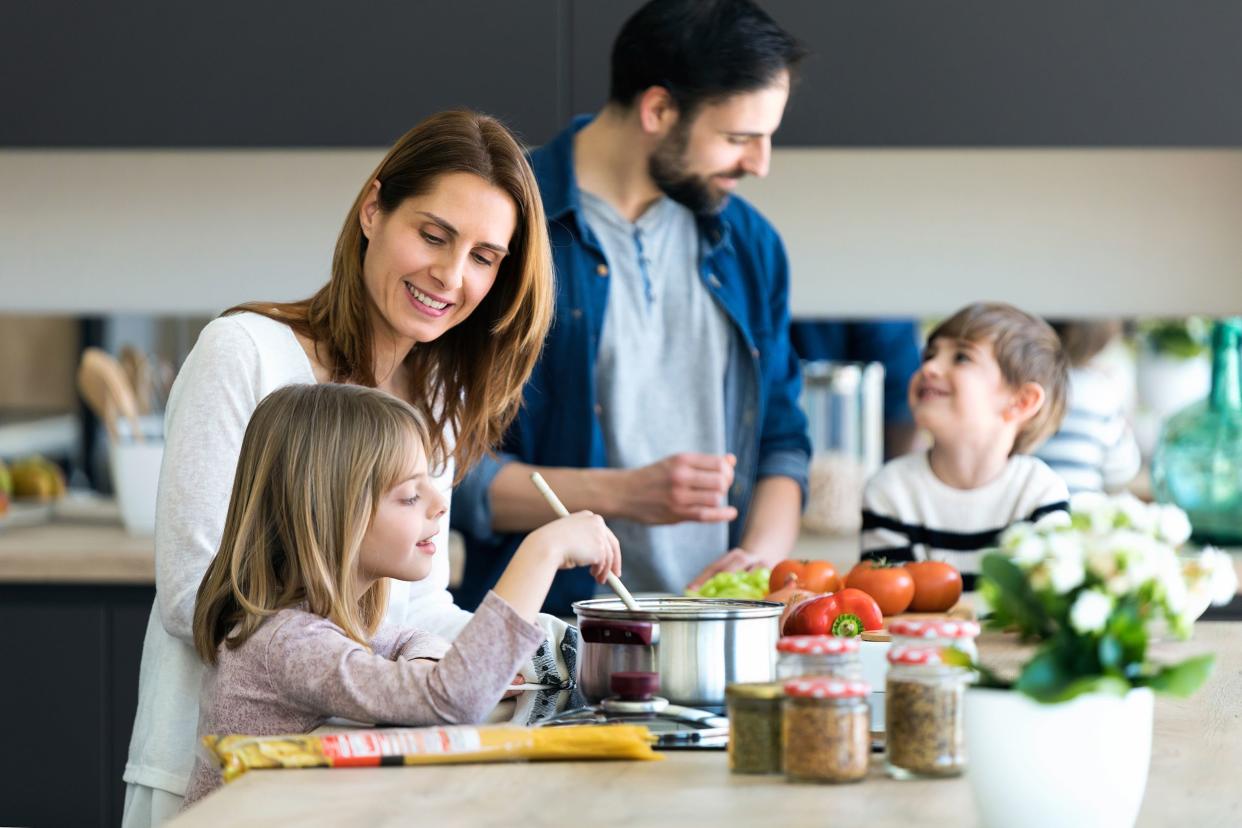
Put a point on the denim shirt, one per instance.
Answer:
(744, 268)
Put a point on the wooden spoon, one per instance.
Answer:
(104, 386)
(138, 371)
(555, 502)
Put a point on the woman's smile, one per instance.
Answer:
(427, 303)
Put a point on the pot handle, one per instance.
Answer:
(618, 632)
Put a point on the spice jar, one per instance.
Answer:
(817, 655)
(936, 633)
(826, 729)
(923, 701)
(755, 712)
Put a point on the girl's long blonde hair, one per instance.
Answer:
(315, 461)
(469, 381)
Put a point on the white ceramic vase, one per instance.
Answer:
(1080, 763)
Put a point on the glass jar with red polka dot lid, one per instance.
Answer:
(826, 729)
(923, 699)
(936, 633)
(817, 655)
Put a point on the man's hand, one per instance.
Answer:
(735, 560)
(681, 487)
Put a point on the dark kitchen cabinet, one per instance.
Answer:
(265, 73)
(69, 692)
(911, 73)
(322, 73)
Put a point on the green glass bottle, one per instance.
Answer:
(1198, 460)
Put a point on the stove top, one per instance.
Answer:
(675, 727)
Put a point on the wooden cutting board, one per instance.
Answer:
(963, 611)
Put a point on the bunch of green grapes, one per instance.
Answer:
(752, 585)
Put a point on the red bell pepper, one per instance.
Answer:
(845, 613)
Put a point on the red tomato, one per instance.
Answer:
(892, 587)
(844, 613)
(937, 586)
(817, 576)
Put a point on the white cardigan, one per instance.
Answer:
(237, 361)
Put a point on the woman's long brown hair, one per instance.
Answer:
(315, 461)
(468, 382)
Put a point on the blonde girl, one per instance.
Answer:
(440, 294)
(333, 498)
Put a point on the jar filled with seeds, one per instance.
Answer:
(817, 655)
(923, 702)
(755, 713)
(826, 729)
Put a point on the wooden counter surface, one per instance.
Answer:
(76, 553)
(1196, 751)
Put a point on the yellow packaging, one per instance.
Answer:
(429, 746)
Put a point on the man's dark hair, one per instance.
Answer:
(701, 51)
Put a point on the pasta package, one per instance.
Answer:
(429, 746)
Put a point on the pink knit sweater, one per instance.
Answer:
(300, 669)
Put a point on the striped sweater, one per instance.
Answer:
(909, 514)
(1094, 450)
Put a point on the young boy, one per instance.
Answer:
(992, 386)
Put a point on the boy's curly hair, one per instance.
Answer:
(1027, 350)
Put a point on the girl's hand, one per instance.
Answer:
(582, 539)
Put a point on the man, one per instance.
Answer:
(666, 398)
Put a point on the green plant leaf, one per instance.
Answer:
(1044, 678)
(1181, 679)
(1047, 680)
(1111, 653)
(1095, 684)
(958, 658)
(1016, 599)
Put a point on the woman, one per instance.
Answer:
(440, 294)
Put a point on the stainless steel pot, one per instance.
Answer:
(696, 645)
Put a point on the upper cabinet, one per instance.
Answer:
(265, 73)
(1049, 73)
(260, 73)
(917, 73)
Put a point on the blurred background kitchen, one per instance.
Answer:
(161, 162)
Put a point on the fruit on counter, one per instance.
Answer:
(817, 576)
(37, 478)
(889, 584)
(937, 586)
(751, 584)
(791, 595)
(6, 487)
(844, 613)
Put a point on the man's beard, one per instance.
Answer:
(667, 168)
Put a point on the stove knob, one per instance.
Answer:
(635, 686)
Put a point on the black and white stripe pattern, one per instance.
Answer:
(1094, 450)
(941, 540)
(911, 515)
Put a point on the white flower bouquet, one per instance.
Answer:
(1091, 585)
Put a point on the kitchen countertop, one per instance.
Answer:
(93, 548)
(101, 551)
(1196, 750)
(95, 552)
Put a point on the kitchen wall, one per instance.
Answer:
(869, 232)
